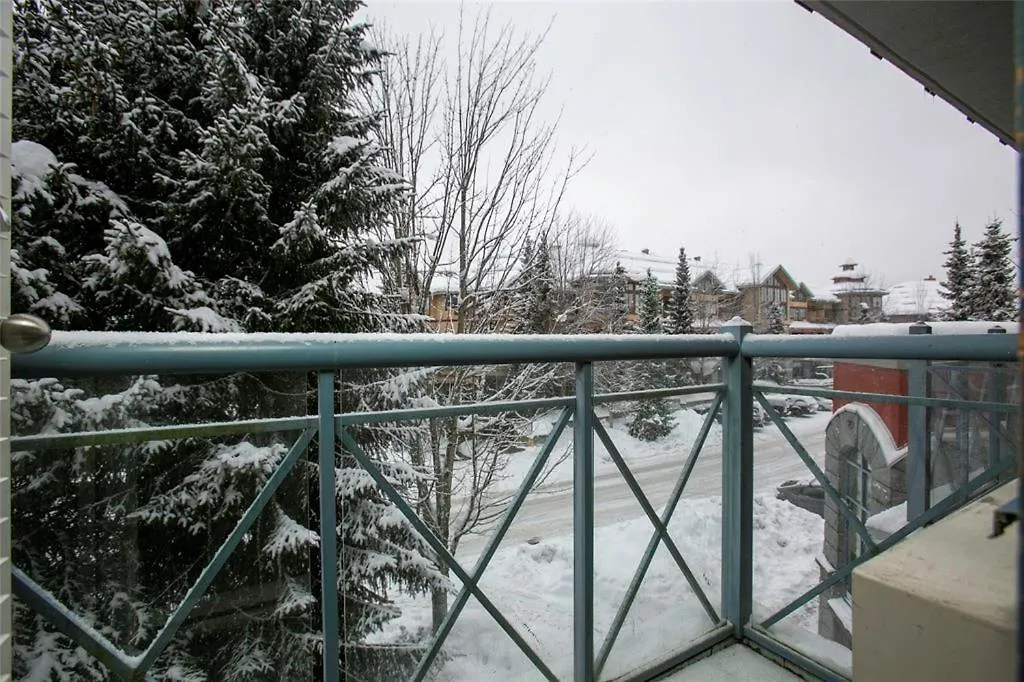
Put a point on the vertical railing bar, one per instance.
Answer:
(996, 388)
(816, 471)
(328, 529)
(652, 516)
(206, 578)
(492, 545)
(962, 467)
(583, 525)
(738, 487)
(652, 544)
(920, 461)
(1018, 129)
(442, 552)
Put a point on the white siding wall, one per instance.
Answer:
(6, 629)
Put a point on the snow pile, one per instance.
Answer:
(938, 328)
(532, 586)
(915, 297)
(891, 520)
(888, 521)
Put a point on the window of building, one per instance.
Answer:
(451, 300)
(856, 490)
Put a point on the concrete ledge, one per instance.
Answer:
(940, 605)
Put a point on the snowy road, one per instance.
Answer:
(547, 512)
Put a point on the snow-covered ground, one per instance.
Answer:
(547, 512)
(532, 586)
(530, 577)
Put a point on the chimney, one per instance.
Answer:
(929, 278)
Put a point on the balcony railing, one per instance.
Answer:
(730, 615)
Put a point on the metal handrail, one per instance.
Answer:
(104, 355)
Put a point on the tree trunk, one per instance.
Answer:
(439, 602)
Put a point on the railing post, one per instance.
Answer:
(328, 526)
(919, 460)
(583, 525)
(996, 393)
(738, 485)
(1018, 129)
(962, 461)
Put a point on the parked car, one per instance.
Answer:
(802, 405)
(804, 494)
(781, 403)
(759, 416)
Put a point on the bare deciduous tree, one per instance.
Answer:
(486, 180)
(583, 261)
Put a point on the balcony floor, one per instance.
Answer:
(736, 663)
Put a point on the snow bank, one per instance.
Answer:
(938, 328)
(532, 586)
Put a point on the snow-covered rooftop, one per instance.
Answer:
(938, 328)
(636, 264)
(915, 297)
(801, 324)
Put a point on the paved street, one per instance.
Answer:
(548, 510)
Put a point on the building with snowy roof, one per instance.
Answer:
(915, 300)
(850, 297)
(709, 294)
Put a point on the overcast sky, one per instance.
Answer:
(753, 128)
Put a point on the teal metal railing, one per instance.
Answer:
(100, 355)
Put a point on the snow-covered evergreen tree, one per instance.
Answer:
(652, 418)
(679, 315)
(992, 290)
(772, 369)
(679, 309)
(207, 173)
(959, 275)
(541, 304)
(618, 306)
(614, 309)
(776, 323)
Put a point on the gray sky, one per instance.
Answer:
(753, 128)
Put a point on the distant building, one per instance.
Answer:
(915, 300)
(756, 299)
(443, 305)
(708, 293)
(850, 298)
(867, 445)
